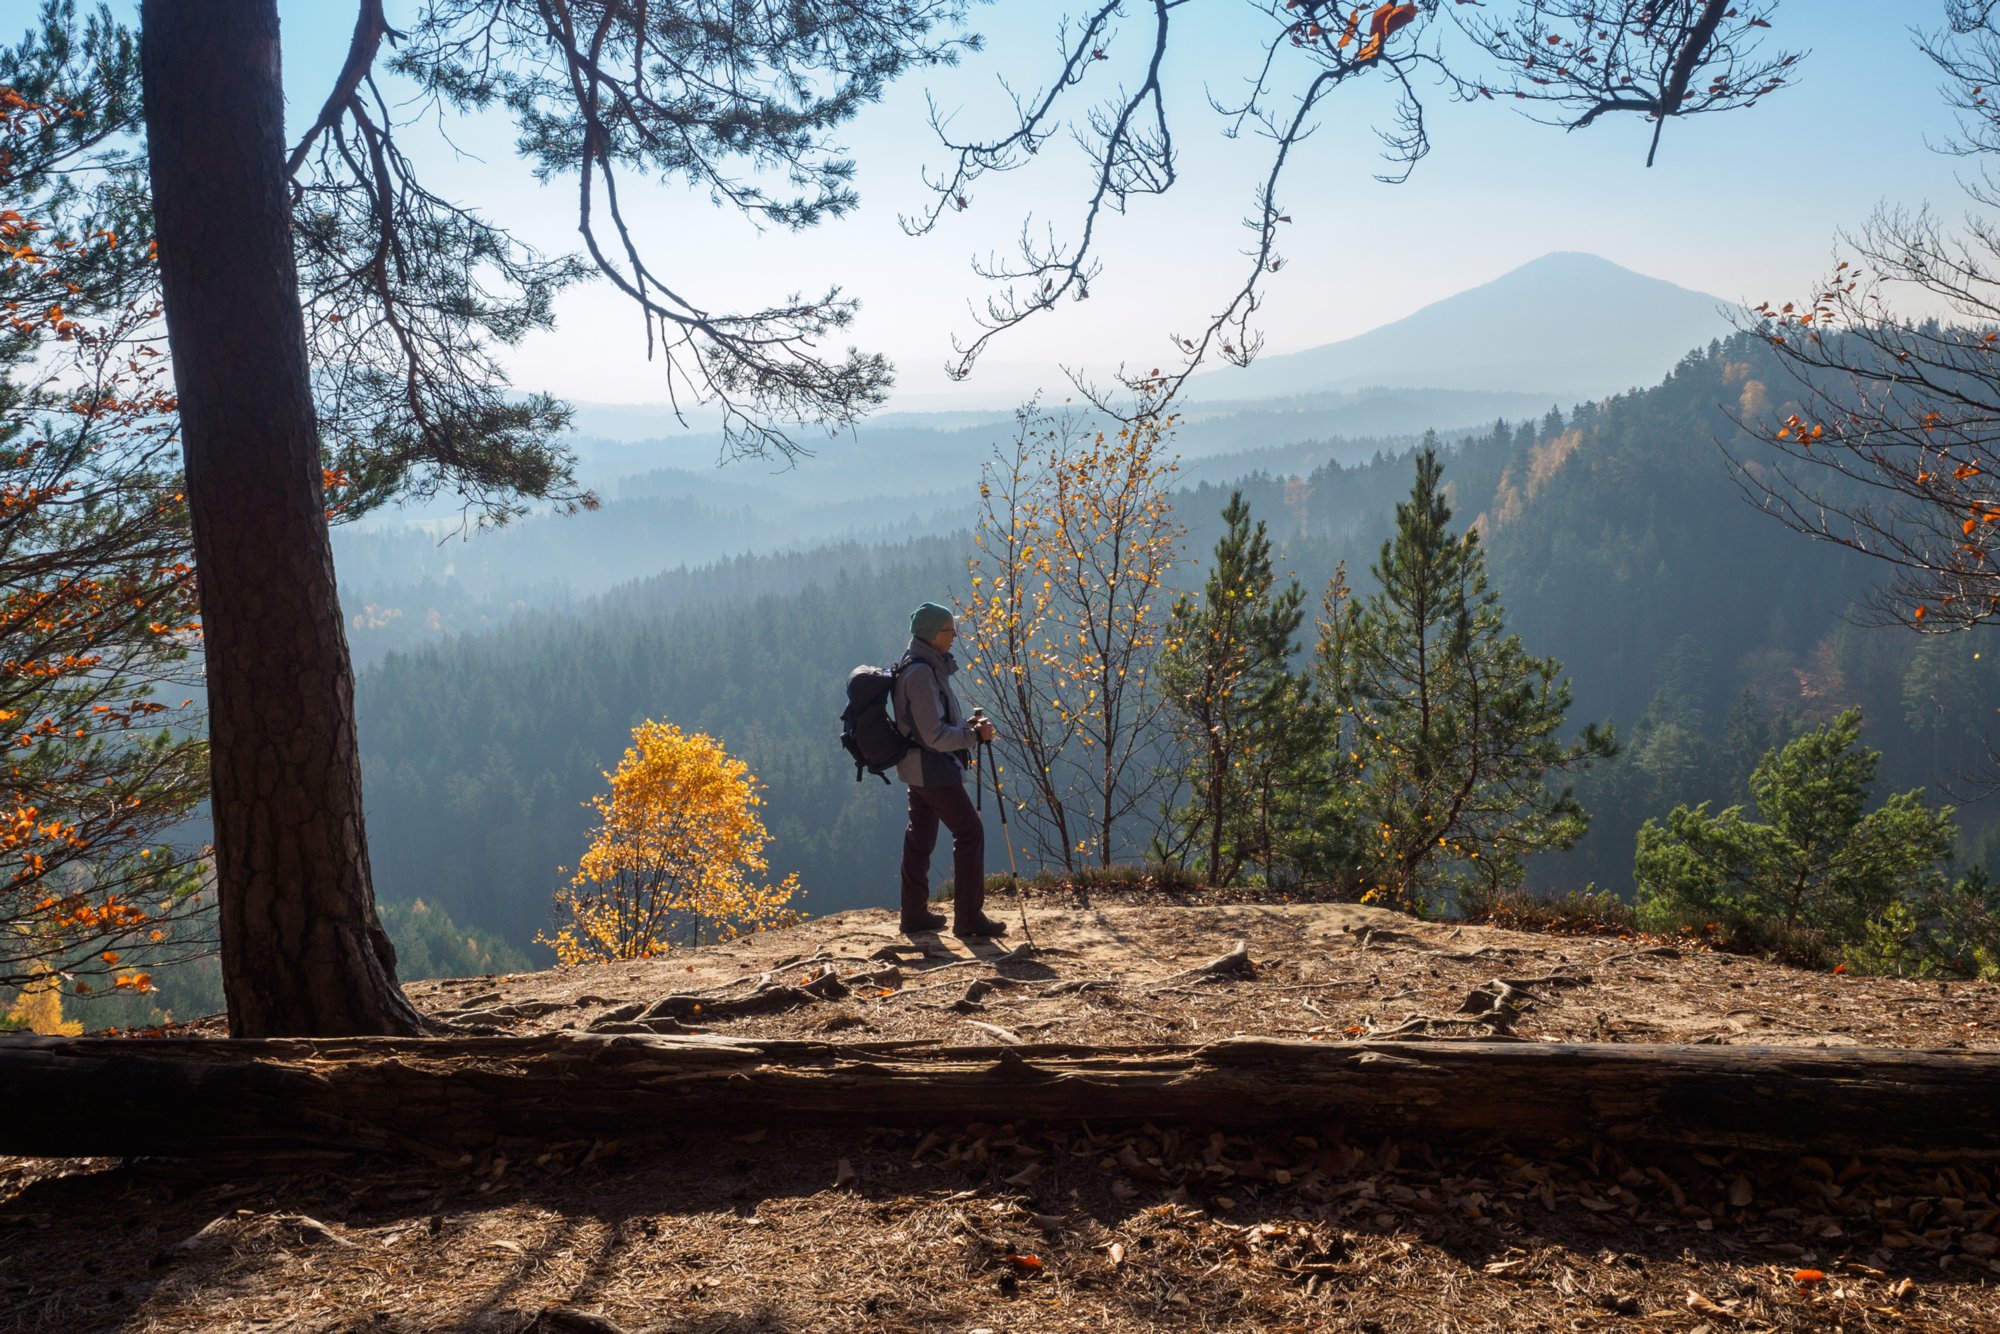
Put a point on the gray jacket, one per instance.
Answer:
(923, 700)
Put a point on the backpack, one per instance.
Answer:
(866, 729)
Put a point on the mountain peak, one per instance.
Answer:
(1568, 323)
(1580, 259)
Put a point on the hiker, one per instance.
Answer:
(928, 712)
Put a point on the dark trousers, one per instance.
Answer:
(929, 806)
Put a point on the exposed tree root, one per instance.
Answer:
(502, 1014)
(1492, 1006)
(766, 998)
(1232, 964)
(1079, 985)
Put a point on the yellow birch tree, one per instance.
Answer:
(1076, 535)
(677, 854)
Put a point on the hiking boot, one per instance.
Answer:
(930, 921)
(979, 927)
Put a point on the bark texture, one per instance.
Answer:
(184, 1097)
(302, 950)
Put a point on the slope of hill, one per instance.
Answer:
(1568, 324)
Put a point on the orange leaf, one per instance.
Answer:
(1384, 21)
(1803, 1277)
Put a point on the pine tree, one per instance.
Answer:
(1811, 860)
(1247, 724)
(1454, 729)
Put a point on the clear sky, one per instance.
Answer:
(1744, 205)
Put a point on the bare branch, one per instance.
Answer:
(1130, 145)
(1892, 445)
(1583, 59)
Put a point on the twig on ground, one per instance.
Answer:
(1372, 935)
(1077, 986)
(1315, 986)
(1657, 952)
(1018, 954)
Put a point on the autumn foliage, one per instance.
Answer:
(1076, 535)
(97, 597)
(676, 856)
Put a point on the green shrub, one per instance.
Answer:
(1813, 875)
(1952, 932)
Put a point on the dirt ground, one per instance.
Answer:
(1327, 968)
(1012, 1229)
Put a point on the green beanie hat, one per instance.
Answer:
(928, 619)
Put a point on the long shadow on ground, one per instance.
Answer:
(996, 1227)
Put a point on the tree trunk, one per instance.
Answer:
(99, 1096)
(302, 950)
(1218, 780)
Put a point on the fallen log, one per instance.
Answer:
(445, 1096)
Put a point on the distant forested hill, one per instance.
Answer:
(1618, 540)
(406, 580)
(479, 751)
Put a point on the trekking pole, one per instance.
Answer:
(1001, 802)
(982, 754)
(978, 784)
(1020, 900)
